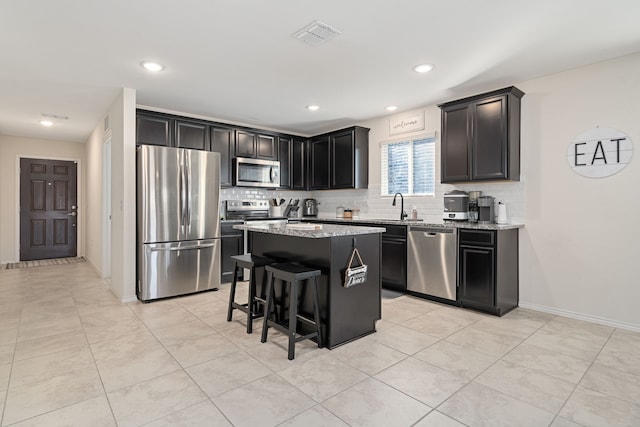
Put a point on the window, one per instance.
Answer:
(408, 167)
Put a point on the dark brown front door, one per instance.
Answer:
(48, 209)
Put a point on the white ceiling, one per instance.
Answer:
(237, 60)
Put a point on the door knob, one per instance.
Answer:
(72, 213)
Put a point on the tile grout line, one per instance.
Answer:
(95, 364)
(473, 379)
(582, 377)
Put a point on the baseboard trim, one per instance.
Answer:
(581, 316)
(129, 298)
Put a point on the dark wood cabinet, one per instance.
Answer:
(319, 163)
(333, 160)
(171, 131)
(350, 158)
(339, 159)
(455, 152)
(393, 265)
(232, 243)
(192, 134)
(292, 158)
(245, 144)
(481, 137)
(255, 145)
(298, 164)
(266, 147)
(394, 258)
(153, 129)
(223, 141)
(284, 157)
(488, 270)
(477, 268)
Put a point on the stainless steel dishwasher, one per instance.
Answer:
(431, 261)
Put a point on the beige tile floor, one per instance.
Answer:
(71, 354)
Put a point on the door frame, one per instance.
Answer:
(81, 211)
(107, 207)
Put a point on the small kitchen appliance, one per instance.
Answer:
(456, 205)
(473, 205)
(256, 173)
(485, 210)
(310, 207)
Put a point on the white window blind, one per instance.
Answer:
(408, 166)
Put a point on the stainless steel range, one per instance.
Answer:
(251, 211)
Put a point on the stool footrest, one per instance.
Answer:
(286, 330)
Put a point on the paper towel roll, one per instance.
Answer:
(502, 214)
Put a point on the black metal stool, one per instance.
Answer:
(251, 307)
(292, 274)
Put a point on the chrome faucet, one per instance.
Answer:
(403, 214)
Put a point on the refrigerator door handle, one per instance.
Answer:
(183, 193)
(183, 248)
(188, 202)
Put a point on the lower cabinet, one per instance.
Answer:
(232, 243)
(488, 270)
(394, 254)
(394, 258)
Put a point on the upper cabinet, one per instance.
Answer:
(350, 158)
(222, 141)
(334, 160)
(481, 137)
(169, 131)
(152, 129)
(339, 159)
(299, 164)
(319, 163)
(191, 134)
(256, 145)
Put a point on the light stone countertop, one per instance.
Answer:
(443, 224)
(327, 230)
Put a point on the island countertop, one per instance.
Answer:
(296, 230)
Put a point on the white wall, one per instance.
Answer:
(93, 199)
(11, 149)
(121, 115)
(580, 249)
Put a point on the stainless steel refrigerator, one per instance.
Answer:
(178, 192)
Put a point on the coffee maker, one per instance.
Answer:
(473, 205)
(485, 210)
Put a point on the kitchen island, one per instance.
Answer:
(346, 313)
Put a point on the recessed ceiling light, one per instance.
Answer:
(391, 108)
(154, 67)
(313, 107)
(46, 123)
(423, 68)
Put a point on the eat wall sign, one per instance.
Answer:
(599, 152)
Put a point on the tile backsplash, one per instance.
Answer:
(373, 205)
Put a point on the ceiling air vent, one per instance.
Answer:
(316, 33)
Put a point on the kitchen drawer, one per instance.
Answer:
(477, 237)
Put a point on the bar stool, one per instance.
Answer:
(293, 274)
(251, 307)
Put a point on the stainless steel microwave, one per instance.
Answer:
(256, 173)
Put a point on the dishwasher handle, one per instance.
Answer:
(432, 231)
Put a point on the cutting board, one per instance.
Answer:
(304, 226)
